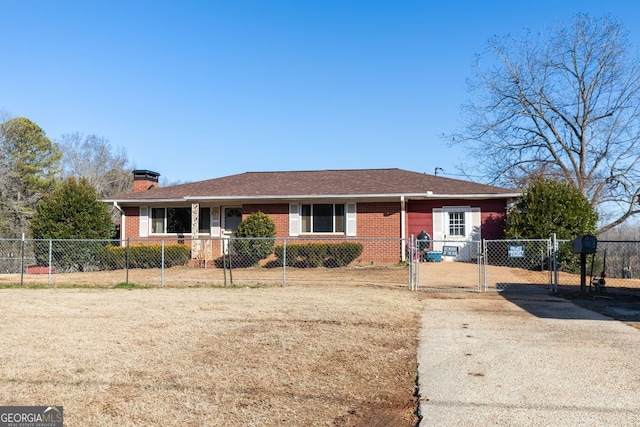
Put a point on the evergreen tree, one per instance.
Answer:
(549, 206)
(71, 211)
(29, 163)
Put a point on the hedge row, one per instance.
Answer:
(143, 256)
(312, 255)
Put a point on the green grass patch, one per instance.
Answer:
(72, 286)
(124, 285)
(19, 286)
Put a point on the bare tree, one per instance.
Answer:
(564, 104)
(91, 157)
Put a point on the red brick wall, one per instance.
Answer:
(380, 222)
(377, 224)
(143, 185)
(132, 222)
(144, 180)
(279, 213)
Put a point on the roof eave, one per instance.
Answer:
(407, 196)
(308, 196)
(166, 200)
(269, 197)
(476, 196)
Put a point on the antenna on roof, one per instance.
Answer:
(435, 172)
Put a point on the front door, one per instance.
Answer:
(230, 221)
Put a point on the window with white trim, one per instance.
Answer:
(457, 223)
(322, 218)
(178, 220)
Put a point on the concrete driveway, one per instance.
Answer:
(516, 359)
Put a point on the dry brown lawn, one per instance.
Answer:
(295, 355)
(193, 277)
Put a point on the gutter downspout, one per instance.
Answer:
(403, 255)
(123, 228)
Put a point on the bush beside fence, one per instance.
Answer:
(143, 256)
(318, 254)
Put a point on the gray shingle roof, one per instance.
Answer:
(357, 182)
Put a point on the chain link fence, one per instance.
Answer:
(522, 264)
(15, 255)
(202, 262)
(617, 262)
(475, 266)
(446, 265)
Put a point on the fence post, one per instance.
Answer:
(284, 262)
(224, 262)
(480, 261)
(126, 262)
(230, 260)
(554, 258)
(412, 266)
(50, 260)
(22, 261)
(162, 264)
(486, 265)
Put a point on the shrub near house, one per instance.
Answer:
(142, 256)
(318, 254)
(255, 238)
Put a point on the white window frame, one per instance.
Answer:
(460, 223)
(312, 208)
(466, 215)
(164, 225)
(296, 219)
(146, 220)
(472, 223)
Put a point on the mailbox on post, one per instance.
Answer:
(584, 245)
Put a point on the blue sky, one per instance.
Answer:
(197, 90)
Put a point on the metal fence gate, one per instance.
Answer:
(446, 265)
(518, 265)
(480, 266)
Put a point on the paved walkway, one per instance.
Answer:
(514, 359)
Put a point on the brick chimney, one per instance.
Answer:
(144, 180)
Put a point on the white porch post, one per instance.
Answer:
(195, 225)
(123, 224)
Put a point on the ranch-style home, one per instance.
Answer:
(391, 204)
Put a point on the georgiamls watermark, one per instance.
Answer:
(31, 416)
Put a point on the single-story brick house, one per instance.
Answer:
(328, 204)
